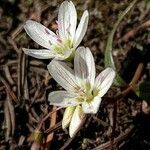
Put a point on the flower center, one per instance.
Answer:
(87, 93)
(62, 46)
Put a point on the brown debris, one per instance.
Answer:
(25, 81)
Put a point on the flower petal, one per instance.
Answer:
(63, 74)
(92, 107)
(84, 65)
(77, 120)
(67, 20)
(67, 116)
(40, 34)
(82, 27)
(61, 98)
(104, 80)
(41, 53)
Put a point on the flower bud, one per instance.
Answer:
(67, 116)
(77, 120)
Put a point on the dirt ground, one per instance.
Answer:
(122, 122)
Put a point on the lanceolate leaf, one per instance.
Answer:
(109, 62)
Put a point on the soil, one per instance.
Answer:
(122, 122)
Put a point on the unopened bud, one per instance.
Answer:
(67, 116)
(77, 120)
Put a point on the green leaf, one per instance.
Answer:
(108, 60)
(143, 90)
(118, 81)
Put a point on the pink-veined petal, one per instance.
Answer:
(92, 107)
(67, 20)
(40, 53)
(84, 65)
(104, 80)
(77, 120)
(40, 34)
(61, 98)
(63, 75)
(81, 29)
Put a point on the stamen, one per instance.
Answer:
(55, 36)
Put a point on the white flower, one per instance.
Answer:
(73, 117)
(62, 44)
(80, 84)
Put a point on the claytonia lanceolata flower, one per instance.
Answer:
(62, 44)
(82, 89)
